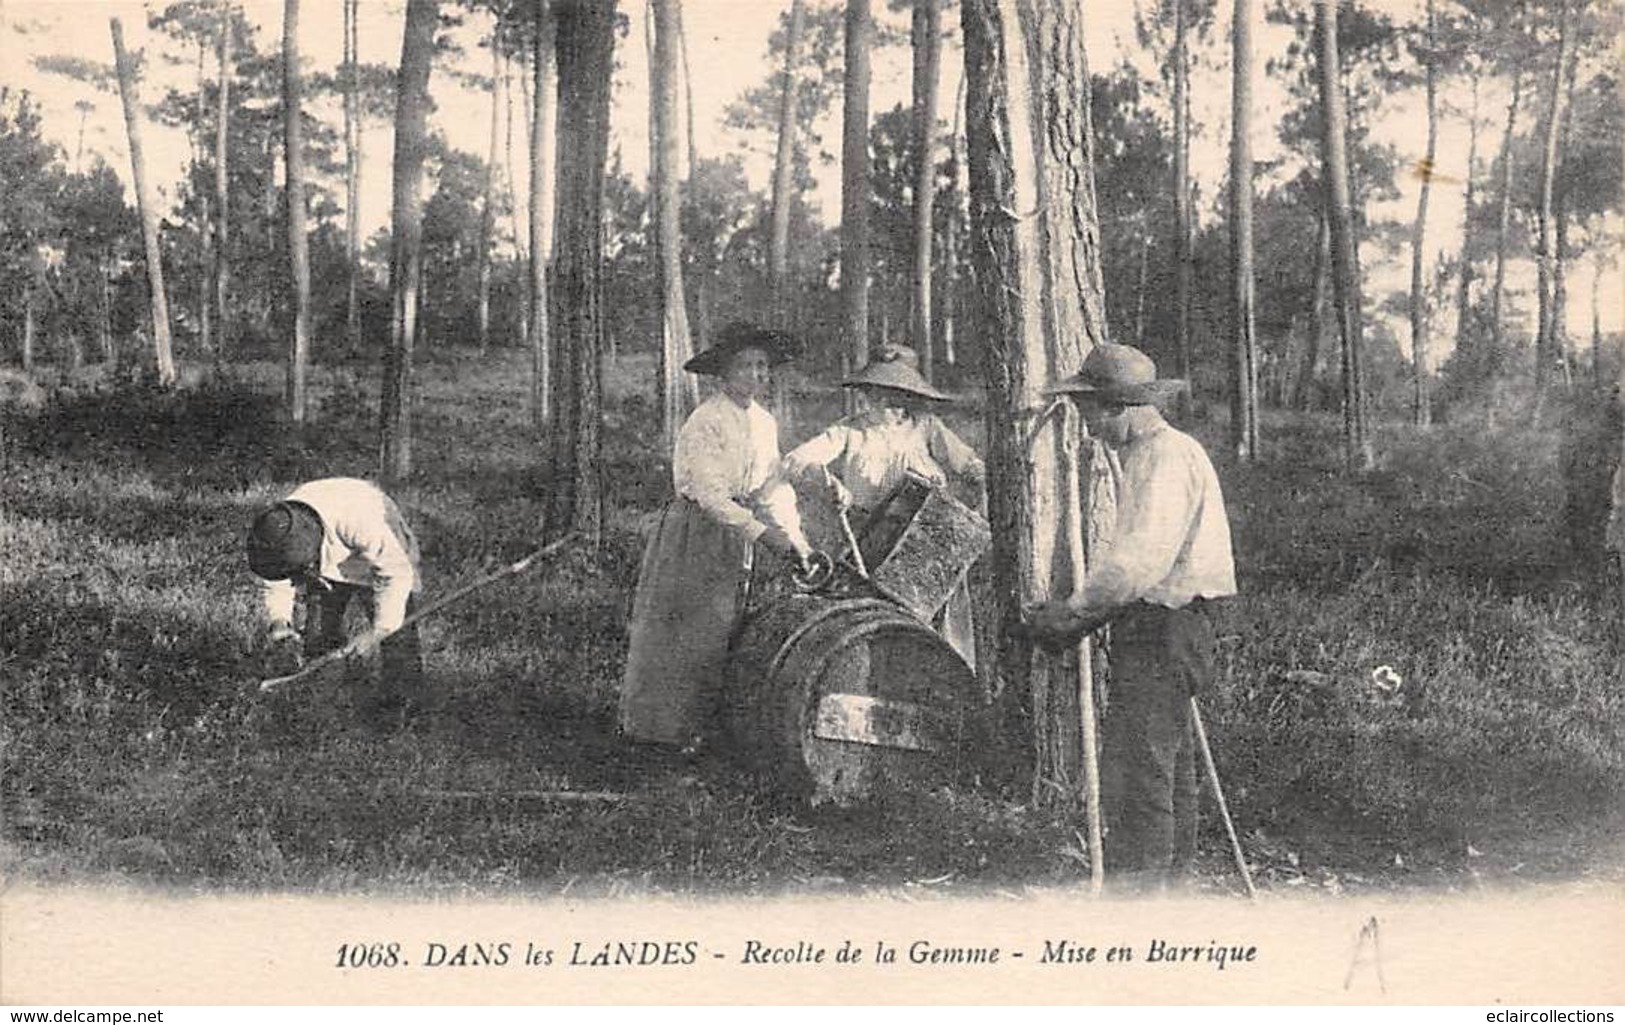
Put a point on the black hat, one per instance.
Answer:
(284, 539)
(740, 335)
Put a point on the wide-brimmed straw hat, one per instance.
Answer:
(895, 367)
(738, 336)
(283, 540)
(1119, 373)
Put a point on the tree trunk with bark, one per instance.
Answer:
(406, 235)
(541, 217)
(586, 53)
(1498, 353)
(1345, 269)
(205, 293)
(147, 203)
(855, 199)
(1465, 342)
(1545, 340)
(1560, 288)
(927, 31)
(1184, 228)
(352, 173)
(1039, 298)
(1243, 343)
(222, 191)
(520, 245)
(293, 162)
(1422, 406)
(783, 168)
(488, 213)
(677, 387)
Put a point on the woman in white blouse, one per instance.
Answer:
(689, 586)
(861, 459)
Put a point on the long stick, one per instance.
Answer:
(1071, 430)
(1218, 792)
(428, 610)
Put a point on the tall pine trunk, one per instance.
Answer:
(927, 29)
(147, 203)
(1498, 353)
(352, 173)
(1422, 406)
(1040, 307)
(488, 213)
(855, 198)
(222, 191)
(1465, 342)
(1560, 289)
(520, 243)
(1184, 233)
(957, 229)
(204, 229)
(541, 218)
(783, 169)
(586, 53)
(406, 235)
(1345, 267)
(677, 388)
(1545, 340)
(1244, 344)
(293, 162)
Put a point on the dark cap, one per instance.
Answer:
(283, 540)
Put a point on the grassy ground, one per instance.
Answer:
(131, 746)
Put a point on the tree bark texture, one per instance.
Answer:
(1465, 342)
(129, 92)
(1345, 269)
(1563, 356)
(293, 162)
(927, 30)
(1036, 248)
(586, 52)
(222, 191)
(488, 213)
(1243, 343)
(1545, 340)
(1184, 228)
(1422, 406)
(1305, 383)
(352, 172)
(541, 216)
(783, 168)
(205, 293)
(678, 393)
(855, 199)
(406, 235)
(1498, 353)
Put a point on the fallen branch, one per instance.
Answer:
(511, 570)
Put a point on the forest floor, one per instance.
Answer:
(134, 747)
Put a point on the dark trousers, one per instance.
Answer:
(399, 683)
(1160, 657)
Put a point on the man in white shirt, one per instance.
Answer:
(1168, 556)
(330, 542)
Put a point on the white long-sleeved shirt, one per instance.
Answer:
(365, 542)
(872, 453)
(1171, 542)
(724, 456)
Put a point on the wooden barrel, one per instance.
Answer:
(844, 699)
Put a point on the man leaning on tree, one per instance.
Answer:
(1169, 559)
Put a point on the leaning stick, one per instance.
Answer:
(1218, 793)
(1071, 432)
(512, 570)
